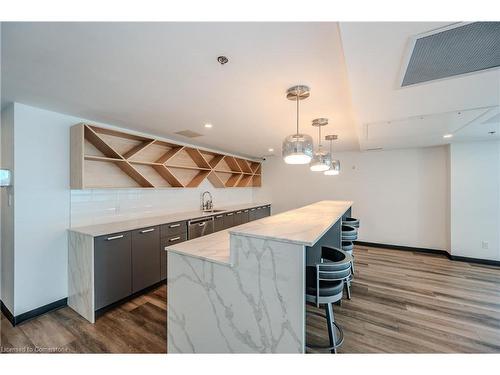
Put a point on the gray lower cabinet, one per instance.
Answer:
(181, 237)
(112, 268)
(253, 214)
(127, 262)
(145, 258)
(245, 216)
(238, 218)
(228, 220)
(218, 223)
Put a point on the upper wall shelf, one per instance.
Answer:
(107, 158)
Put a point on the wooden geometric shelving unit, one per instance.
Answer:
(106, 158)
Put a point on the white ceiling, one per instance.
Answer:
(417, 115)
(161, 78)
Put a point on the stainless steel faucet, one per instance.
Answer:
(208, 205)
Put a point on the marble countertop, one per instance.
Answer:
(142, 222)
(304, 226)
(214, 247)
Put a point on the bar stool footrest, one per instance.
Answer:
(340, 339)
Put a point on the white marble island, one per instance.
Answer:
(242, 290)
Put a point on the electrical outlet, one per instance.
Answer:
(485, 245)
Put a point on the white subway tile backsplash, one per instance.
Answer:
(96, 206)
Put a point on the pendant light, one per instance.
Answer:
(297, 148)
(321, 159)
(335, 164)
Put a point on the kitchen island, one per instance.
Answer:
(241, 290)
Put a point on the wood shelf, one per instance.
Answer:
(109, 158)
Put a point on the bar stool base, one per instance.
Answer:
(340, 337)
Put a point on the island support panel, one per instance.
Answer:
(255, 304)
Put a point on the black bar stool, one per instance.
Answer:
(324, 286)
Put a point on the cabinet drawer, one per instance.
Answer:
(181, 237)
(172, 229)
(163, 254)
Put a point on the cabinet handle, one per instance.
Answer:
(201, 224)
(147, 230)
(239, 212)
(230, 214)
(218, 216)
(245, 211)
(253, 209)
(174, 225)
(114, 237)
(174, 239)
(259, 208)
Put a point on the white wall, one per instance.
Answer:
(45, 206)
(7, 212)
(400, 196)
(42, 206)
(475, 199)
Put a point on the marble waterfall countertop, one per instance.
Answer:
(142, 222)
(302, 226)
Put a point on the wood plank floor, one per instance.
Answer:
(403, 302)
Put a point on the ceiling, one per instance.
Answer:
(161, 78)
(389, 116)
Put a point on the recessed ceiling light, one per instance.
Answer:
(208, 126)
(447, 135)
(270, 149)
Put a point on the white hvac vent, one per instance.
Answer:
(459, 49)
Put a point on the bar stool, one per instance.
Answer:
(348, 247)
(351, 221)
(341, 262)
(324, 286)
(349, 233)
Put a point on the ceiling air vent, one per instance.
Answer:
(456, 49)
(189, 133)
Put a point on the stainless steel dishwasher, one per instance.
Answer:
(200, 227)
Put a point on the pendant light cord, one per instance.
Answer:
(319, 140)
(297, 113)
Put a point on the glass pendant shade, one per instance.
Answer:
(334, 169)
(320, 162)
(297, 149)
(321, 159)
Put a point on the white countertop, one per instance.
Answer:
(305, 226)
(213, 247)
(142, 222)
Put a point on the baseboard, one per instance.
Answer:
(399, 247)
(15, 320)
(430, 251)
(487, 262)
(6, 312)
